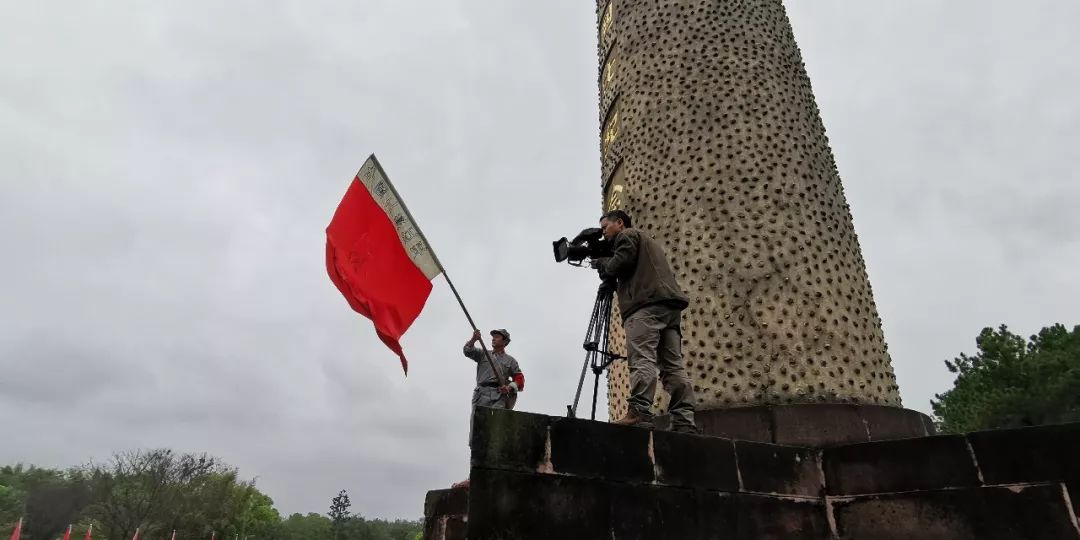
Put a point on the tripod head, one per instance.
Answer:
(608, 285)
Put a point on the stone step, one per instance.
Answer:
(535, 476)
(446, 514)
(926, 463)
(1011, 512)
(1043, 454)
(525, 442)
(516, 505)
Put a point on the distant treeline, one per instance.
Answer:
(158, 492)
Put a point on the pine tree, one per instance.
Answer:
(339, 514)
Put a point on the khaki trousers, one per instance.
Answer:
(654, 345)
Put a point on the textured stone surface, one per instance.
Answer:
(445, 511)
(512, 505)
(818, 425)
(1034, 454)
(1005, 513)
(903, 465)
(599, 483)
(885, 423)
(601, 450)
(711, 139)
(744, 423)
(443, 502)
(653, 512)
(814, 424)
(771, 468)
(754, 517)
(507, 505)
(508, 439)
(694, 461)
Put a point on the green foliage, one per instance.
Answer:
(159, 491)
(53, 504)
(1011, 382)
(310, 527)
(24, 493)
(339, 513)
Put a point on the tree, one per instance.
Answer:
(256, 514)
(11, 505)
(53, 505)
(310, 527)
(135, 490)
(1013, 383)
(21, 495)
(339, 513)
(158, 491)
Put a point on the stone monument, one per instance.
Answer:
(712, 141)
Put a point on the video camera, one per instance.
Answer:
(589, 244)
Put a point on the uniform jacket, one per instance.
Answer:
(644, 275)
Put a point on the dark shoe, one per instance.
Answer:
(632, 419)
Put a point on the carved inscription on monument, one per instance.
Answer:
(608, 76)
(606, 21)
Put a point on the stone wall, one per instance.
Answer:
(535, 476)
(711, 139)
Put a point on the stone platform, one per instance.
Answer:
(535, 476)
(815, 425)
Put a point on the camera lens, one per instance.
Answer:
(562, 249)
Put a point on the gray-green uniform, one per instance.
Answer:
(486, 393)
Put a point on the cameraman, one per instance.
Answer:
(651, 305)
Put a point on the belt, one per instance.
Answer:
(489, 384)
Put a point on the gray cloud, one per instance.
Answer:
(167, 172)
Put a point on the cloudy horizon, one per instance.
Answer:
(167, 173)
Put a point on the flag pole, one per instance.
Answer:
(442, 269)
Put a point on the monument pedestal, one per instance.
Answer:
(814, 424)
(542, 477)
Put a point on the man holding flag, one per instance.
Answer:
(382, 264)
(490, 391)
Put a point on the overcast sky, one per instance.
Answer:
(167, 171)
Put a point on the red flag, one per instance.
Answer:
(18, 530)
(67, 534)
(378, 258)
(88, 531)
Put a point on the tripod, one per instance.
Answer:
(596, 345)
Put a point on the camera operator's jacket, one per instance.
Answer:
(643, 272)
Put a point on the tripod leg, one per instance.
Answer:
(595, 389)
(581, 381)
